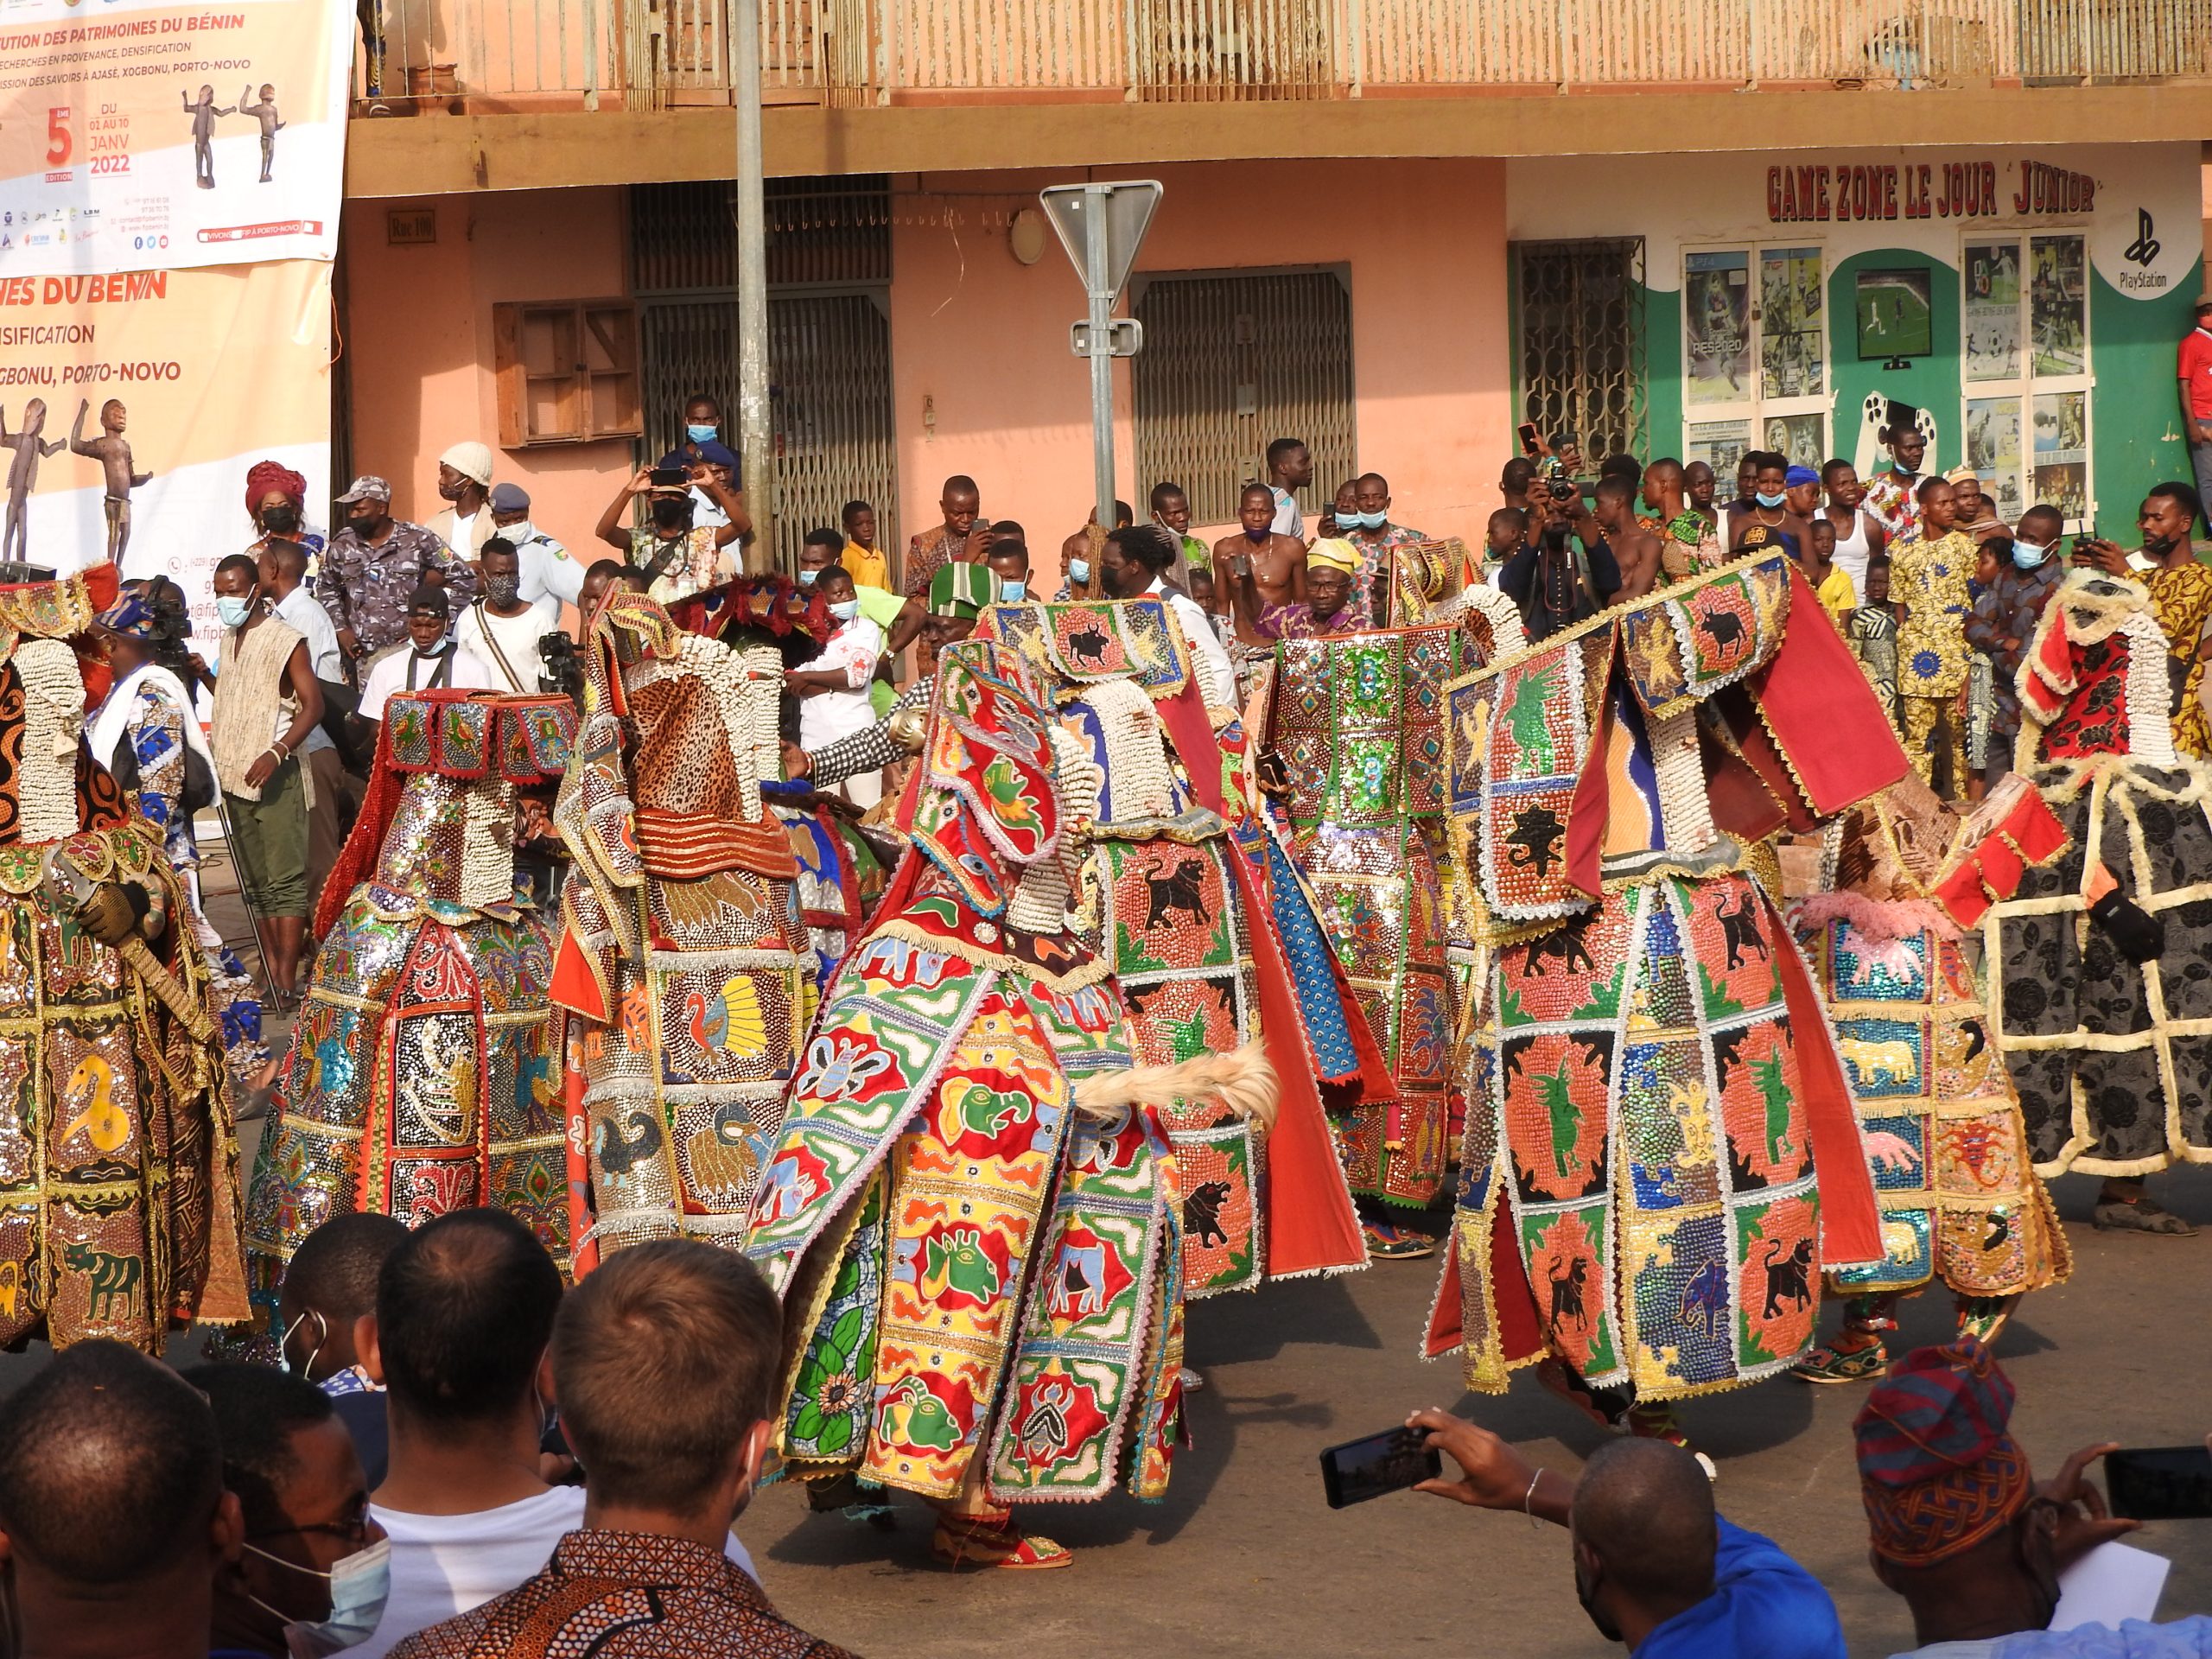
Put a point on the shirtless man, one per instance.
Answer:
(23, 474)
(265, 112)
(1278, 561)
(112, 451)
(1635, 550)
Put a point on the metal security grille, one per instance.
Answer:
(1231, 361)
(829, 334)
(1581, 341)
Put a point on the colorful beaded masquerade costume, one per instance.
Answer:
(119, 1170)
(972, 1211)
(682, 947)
(2112, 1057)
(1187, 898)
(424, 1072)
(1661, 1154)
(1950, 1160)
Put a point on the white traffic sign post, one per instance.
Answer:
(1101, 227)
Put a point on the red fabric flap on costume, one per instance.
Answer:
(574, 987)
(1850, 1220)
(1760, 755)
(1960, 895)
(683, 846)
(1183, 717)
(1823, 714)
(1311, 1225)
(1742, 802)
(1588, 809)
(2035, 829)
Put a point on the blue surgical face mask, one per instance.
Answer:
(1363, 520)
(360, 1584)
(1766, 501)
(1012, 593)
(234, 611)
(845, 610)
(702, 433)
(2027, 556)
(806, 578)
(1078, 571)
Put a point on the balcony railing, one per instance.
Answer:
(647, 54)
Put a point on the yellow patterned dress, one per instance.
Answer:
(1927, 581)
(2181, 598)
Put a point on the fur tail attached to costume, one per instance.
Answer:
(1242, 1080)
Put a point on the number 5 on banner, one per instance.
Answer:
(58, 142)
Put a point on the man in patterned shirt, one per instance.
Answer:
(957, 594)
(1927, 581)
(672, 1450)
(373, 564)
(1892, 495)
(928, 551)
(1373, 535)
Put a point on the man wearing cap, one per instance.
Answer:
(679, 555)
(1893, 494)
(464, 482)
(1978, 519)
(431, 662)
(957, 594)
(1331, 563)
(2195, 367)
(1962, 1530)
(547, 571)
(373, 564)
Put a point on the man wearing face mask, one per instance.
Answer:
(546, 568)
(464, 485)
(832, 686)
(502, 629)
(672, 1452)
(1655, 1568)
(2004, 620)
(464, 1311)
(1277, 561)
(372, 566)
(431, 662)
(1369, 528)
(314, 1570)
(328, 1286)
(2181, 598)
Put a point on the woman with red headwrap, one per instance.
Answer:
(277, 501)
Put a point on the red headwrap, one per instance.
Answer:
(267, 475)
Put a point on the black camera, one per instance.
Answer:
(1564, 488)
(561, 672)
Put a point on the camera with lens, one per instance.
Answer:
(561, 672)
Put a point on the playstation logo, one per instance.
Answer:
(2145, 248)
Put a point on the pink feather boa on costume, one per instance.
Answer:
(1892, 918)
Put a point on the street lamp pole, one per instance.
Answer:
(755, 424)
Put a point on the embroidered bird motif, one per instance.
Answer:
(106, 1124)
(730, 1019)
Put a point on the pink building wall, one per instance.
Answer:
(420, 319)
(980, 340)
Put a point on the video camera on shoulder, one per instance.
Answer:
(561, 671)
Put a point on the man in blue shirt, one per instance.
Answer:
(1655, 1568)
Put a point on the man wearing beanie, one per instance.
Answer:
(464, 483)
(1963, 1532)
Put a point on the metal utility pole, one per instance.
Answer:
(1101, 227)
(756, 438)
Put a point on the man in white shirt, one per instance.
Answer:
(464, 524)
(1136, 563)
(501, 630)
(832, 686)
(464, 1315)
(428, 662)
(1290, 468)
(547, 570)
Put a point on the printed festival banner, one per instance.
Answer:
(136, 135)
(132, 405)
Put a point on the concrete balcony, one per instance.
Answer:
(519, 94)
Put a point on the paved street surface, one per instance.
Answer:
(1244, 1559)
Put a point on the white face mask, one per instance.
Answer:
(306, 1370)
(516, 534)
(360, 1584)
(845, 610)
